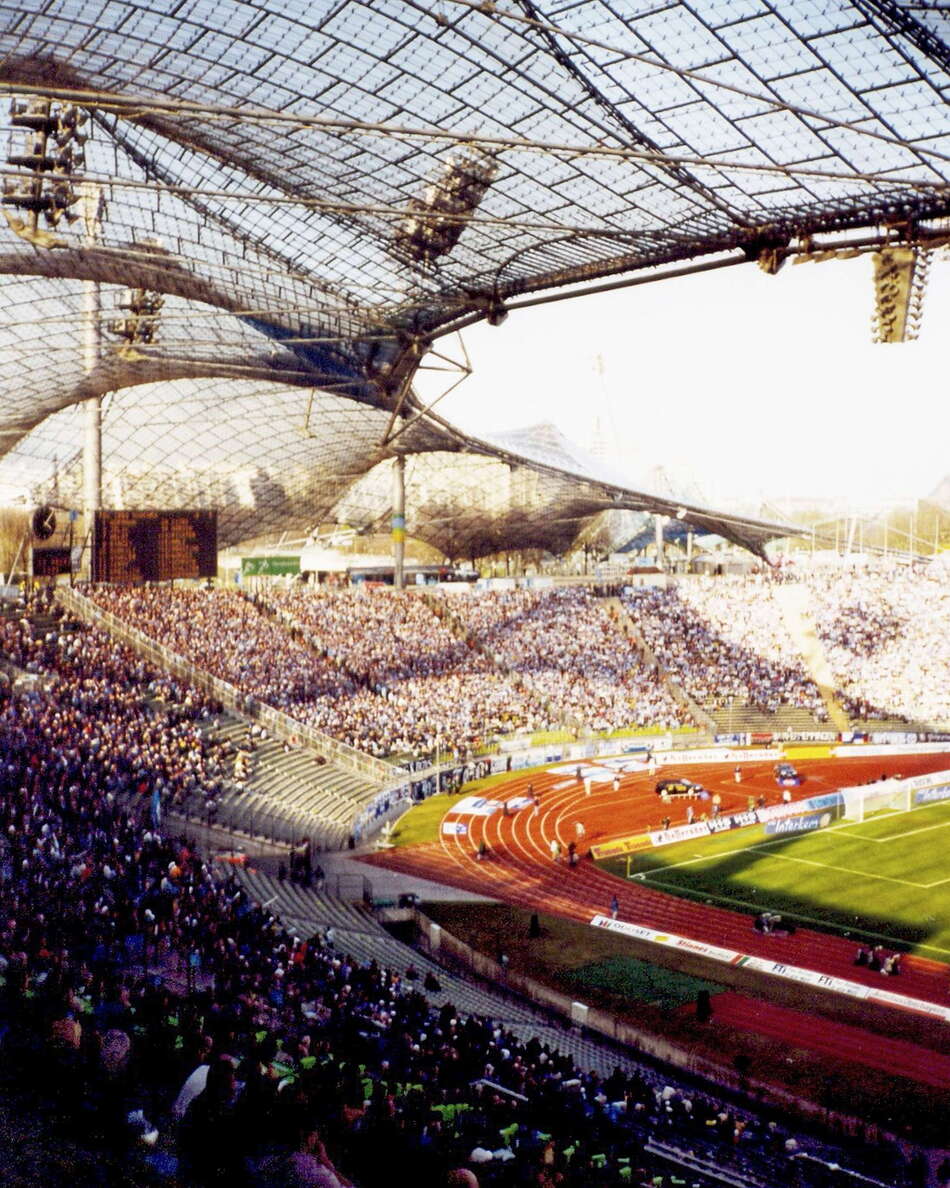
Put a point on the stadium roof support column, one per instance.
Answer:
(92, 411)
(659, 522)
(92, 459)
(92, 439)
(399, 521)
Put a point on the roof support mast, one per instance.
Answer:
(92, 408)
(399, 521)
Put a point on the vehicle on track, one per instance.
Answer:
(787, 776)
(677, 786)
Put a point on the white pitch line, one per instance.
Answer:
(754, 849)
(848, 870)
(786, 858)
(912, 832)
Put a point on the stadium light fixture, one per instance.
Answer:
(497, 312)
(46, 146)
(139, 326)
(433, 225)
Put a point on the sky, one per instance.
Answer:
(744, 384)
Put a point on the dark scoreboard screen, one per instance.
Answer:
(51, 562)
(154, 546)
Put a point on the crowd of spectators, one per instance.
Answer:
(441, 693)
(379, 671)
(568, 648)
(883, 627)
(176, 1022)
(723, 640)
(224, 634)
(886, 632)
(118, 720)
(377, 674)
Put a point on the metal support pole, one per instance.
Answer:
(24, 540)
(92, 440)
(399, 522)
(658, 522)
(92, 455)
(92, 413)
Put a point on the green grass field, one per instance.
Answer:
(572, 957)
(632, 980)
(886, 879)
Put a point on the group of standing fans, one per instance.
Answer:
(723, 641)
(882, 628)
(568, 649)
(884, 631)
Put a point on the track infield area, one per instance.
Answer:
(886, 879)
(884, 876)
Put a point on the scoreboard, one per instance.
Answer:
(154, 546)
(51, 562)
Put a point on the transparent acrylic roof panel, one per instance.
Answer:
(267, 456)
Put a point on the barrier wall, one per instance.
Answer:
(821, 809)
(778, 969)
(450, 776)
(442, 945)
(895, 748)
(448, 948)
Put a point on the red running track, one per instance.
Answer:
(520, 871)
(840, 1041)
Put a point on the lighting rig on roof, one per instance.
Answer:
(47, 146)
(139, 326)
(901, 272)
(433, 224)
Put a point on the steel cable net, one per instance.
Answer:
(480, 504)
(235, 446)
(313, 192)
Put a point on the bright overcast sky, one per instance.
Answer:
(744, 383)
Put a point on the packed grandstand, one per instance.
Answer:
(400, 674)
(133, 965)
(234, 235)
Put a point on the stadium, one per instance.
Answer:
(387, 793)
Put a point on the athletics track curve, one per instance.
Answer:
(520, 870)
